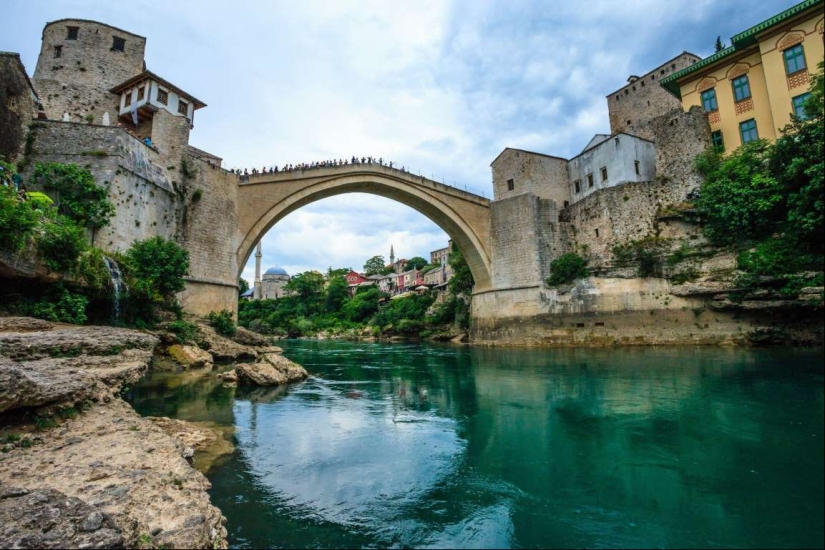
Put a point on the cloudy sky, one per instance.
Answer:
(439, 87)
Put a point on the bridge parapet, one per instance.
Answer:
(299, 174)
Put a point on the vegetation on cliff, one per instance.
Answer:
(57, 233)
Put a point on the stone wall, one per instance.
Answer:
(17, 106)
(524, 236)
(543, 175)
(209, 231)
(139, 186)
(78, 82)
(642, 99)
(619, 215)
(611, 312)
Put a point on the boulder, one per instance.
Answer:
(271, 370)
(188, 433)
(190, 357)
(249, 338)
(69, 365)
(23, 324)
(224, 349)
(229, 377)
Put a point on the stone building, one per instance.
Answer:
(273, 283)
(80, 62)
(440, 256)
(750, 89)
(18, 105)
(609, 161)
(642, 99)
(85, 72)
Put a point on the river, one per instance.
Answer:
(411, 445)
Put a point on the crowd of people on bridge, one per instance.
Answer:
(318, 164)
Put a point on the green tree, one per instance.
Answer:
(341, 271)
(309, 284)
(567, 268)
(78, 196)
(336, 294)
(374, 266)
(461, 283)
(243, 285)
(17, 220)
(61, 243)
(416, 262)
(799, 166)
(157, 268)
(740, 199)
(718, 47)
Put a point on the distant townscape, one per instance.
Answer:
(395, 279)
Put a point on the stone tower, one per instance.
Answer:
(80, 62)
(392, 255)
(257, 294)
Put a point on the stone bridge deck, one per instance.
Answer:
(264, 199)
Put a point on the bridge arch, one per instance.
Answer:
(268, 198)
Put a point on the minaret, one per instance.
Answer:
(257, 294)
(392, 255)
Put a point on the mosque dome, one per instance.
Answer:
(276, 271)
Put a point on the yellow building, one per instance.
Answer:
(750, 89)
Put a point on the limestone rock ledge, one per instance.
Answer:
(270, 370)
(105, 476)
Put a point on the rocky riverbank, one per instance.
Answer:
(79, 467)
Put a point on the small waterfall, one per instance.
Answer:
(119, 287)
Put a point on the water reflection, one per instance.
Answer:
(426, 446)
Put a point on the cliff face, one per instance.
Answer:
(74, 449)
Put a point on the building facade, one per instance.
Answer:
(273, 282)
(750, 89)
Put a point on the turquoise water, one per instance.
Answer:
(425, 446)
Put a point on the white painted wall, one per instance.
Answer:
(618, 154)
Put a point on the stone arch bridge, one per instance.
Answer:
(265, 199)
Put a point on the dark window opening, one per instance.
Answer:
(628, 123)
(589, 180)
(511, 185)
(599, 324)
(566, 204)
(141, 92)
(580, 325)
(577, 185)
(118, 44)
(58, 51)
(183, 107)
(604, 173)
(636, 165)
(597, 233)
(72, 33)
(673, 66)
(794, 59)
(718, 140)
(741, 88)
(642, 83)
(128, 98)
(626, 91)
(163, 96)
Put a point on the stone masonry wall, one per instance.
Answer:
(17, 106)
(210, 234)
(626, 213)
(632, 106)
(140, 188)
(78, 82)
(544, 176)
(524, 236)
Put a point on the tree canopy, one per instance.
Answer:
(374, 266)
